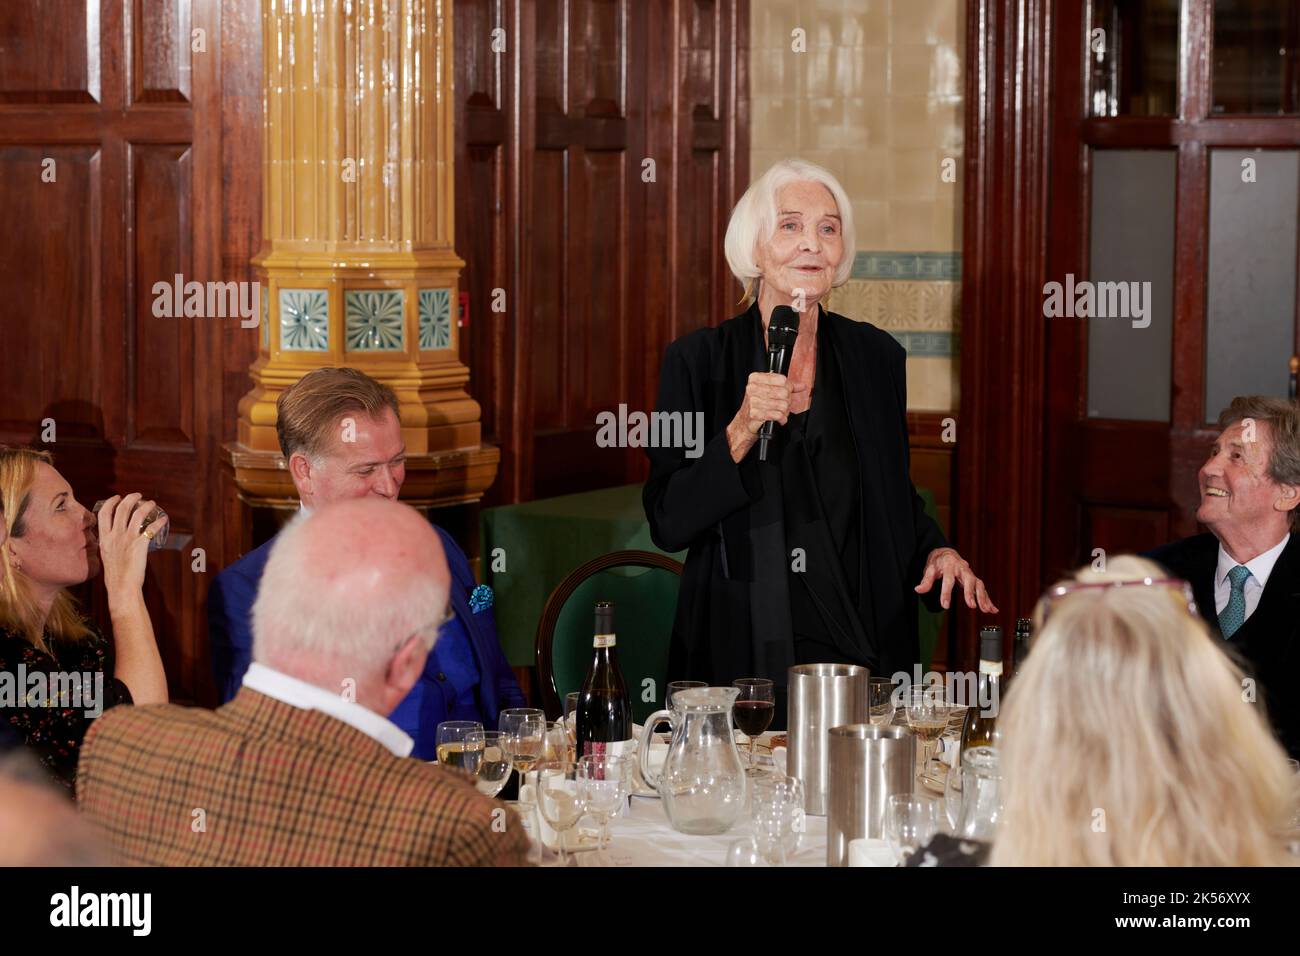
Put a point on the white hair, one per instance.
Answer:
(296, 616)
(754, 218)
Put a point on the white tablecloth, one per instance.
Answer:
(645, 838)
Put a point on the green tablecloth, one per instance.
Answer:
(542, 541)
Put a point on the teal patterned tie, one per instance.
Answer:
(1234, 614)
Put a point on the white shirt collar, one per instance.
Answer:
(304, 696)
(1260, 566)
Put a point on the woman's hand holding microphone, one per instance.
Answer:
(767, 399)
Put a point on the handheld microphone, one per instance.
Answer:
(782, 330)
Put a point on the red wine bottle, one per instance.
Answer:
(604, 721)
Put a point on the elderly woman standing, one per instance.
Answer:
(816, 555)
(48, 543)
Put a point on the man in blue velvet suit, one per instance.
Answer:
(341, 438)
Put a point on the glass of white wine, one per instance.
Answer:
(927, 714)
(485, 749)
(451, 743)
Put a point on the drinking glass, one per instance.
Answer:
(754, 709)
(603, 783)
(927, 715)
(156, 518)
(745, 852)
(777, 815)
(910, 823)
(675, 686)
(523, 736)
(559, 800)
(486, 750)
(880, 701)
(559, 745)
(451, 742)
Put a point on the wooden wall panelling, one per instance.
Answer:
(112, 92)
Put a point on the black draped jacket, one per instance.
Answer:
(733, 617)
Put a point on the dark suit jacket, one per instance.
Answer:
(230, 634)
(1267, 646)
(705, 503)
(278, 786)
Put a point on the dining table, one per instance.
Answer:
(643, 836)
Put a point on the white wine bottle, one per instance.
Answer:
(980, 728)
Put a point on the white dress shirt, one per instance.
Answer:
(1260, 568)
(304, 696)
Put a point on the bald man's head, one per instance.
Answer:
(346, 589)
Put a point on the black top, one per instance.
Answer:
(821, 519)
(50, 699)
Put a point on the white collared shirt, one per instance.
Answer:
(304, 696)
(1260, 568)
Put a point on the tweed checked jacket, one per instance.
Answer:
(259, 782)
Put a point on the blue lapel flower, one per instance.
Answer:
(480, 599)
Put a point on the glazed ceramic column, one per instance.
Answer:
(357, 265)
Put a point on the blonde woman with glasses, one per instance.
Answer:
(1129, 738)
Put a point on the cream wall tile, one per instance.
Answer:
(868, 71)
(910, 123)
(910, 225)
(871, 222)
(874, 16)
(931, 383)
(922, 21)
(866, 173)
(909, 69)
(914, 174)
(945, 71)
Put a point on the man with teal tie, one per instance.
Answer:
(1245, 572)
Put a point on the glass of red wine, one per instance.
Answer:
(754, 710)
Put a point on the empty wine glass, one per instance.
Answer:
(486, 750)
(910, 823)
(777, 815)
(745, 852)
(559, 800)
(603, 782)
(559, 745)
(880, 701)
(675, 686)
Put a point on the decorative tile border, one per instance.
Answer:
(922, 266)
(900, 305)
(304, 320)
(435, 319)
(373, 320)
